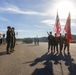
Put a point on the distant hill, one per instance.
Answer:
(74, 37)
(44, 39)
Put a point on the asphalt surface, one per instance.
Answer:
(29, 59)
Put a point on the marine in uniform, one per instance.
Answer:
(13, 39)
(50, 41)
(8, 39)
(37, 41)
(61, 42)
(66, 44)
(56, 43)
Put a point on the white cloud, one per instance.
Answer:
(41, 27)
(48, 22)
(52, 22)
(15, 10)
(50, 10)
(73, 24)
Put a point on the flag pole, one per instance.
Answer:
(57, 27)
(63, 32)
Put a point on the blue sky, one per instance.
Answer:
(33, 18)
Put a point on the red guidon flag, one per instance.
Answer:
(67, 28)
(57, 27)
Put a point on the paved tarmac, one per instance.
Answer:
(29, 59)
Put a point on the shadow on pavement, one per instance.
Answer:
(69, 63)
(2, 53)
(41, 71)
(46, 61)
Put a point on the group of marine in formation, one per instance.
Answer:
(58, 44)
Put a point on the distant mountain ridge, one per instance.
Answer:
(73, 37)
(45, 39)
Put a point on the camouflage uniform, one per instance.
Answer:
(37, 41)
(50, 42)
(8, 39)
(61, 42)
(66, 44)
(12, 39)
(56, 43)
